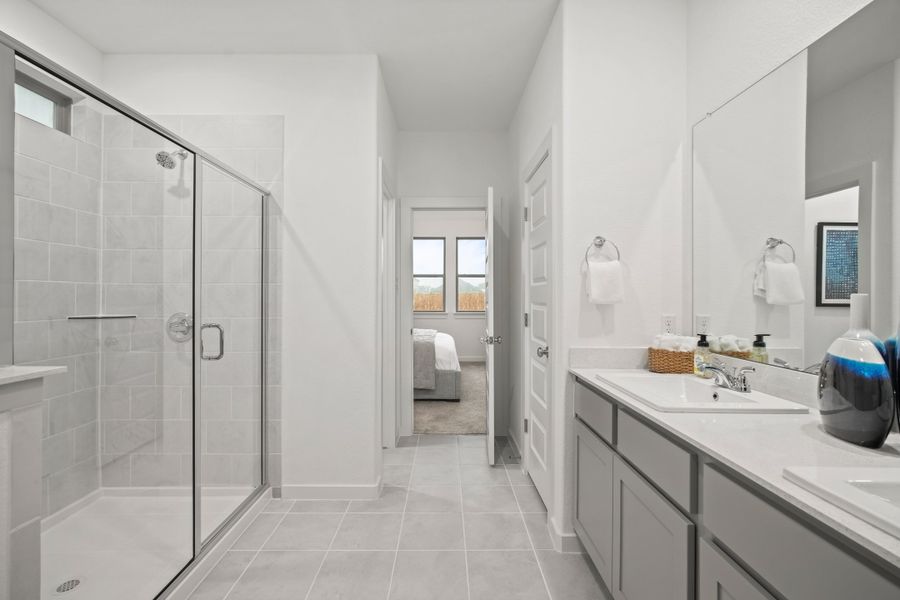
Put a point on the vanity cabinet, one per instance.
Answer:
(641, 499)
(594, 498)
(653, 543)
(719, 578)
(639, 541)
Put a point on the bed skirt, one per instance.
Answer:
(447, 386)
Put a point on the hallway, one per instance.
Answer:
(447, 527)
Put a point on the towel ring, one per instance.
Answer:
(772, 243)
(598, 243)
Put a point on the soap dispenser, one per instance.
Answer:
(760, 353)
(702, 355)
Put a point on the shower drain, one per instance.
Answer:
(67, 586)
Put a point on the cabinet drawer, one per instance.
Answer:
(794, 559)
(594, 498)
(669, 466)
(596, 411)
(653, 543)
(718, 577)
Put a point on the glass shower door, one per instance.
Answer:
(103, 256)
(230, 345)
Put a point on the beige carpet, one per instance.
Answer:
(469, 415)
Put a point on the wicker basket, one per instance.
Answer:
(670, 361)
(745, 354)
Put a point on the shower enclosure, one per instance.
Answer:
(140, 265)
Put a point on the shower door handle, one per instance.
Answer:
(221, 341)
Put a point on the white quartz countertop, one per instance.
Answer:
(15, 373)
(760, 446)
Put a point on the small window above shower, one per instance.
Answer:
(42, 98)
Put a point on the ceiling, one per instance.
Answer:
(861, 44)
(449, 65)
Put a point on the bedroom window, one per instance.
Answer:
(429, 258)
(471, 257)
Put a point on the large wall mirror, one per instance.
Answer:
(803, 167)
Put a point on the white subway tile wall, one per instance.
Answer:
(57, 270)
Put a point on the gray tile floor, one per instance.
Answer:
(446, 527)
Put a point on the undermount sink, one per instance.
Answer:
(870, 493)
(688, 394)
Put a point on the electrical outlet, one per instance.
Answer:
(701, 324)
(668, 324)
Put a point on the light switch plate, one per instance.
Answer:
(701, 324)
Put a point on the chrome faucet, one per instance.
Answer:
(736, 380)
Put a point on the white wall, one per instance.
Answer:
(331, 421)
(823, 324)
(387, 133)
(851, 129)
(32, 26)
(732, 43)
(749, 185)
(538, 117)
(466, 329)
(623, 131)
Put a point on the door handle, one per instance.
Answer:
(221, 341)
(543, 351)
(490, 340)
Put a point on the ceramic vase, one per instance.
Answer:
(856, 397)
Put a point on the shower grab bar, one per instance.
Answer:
(221, 341)
(99, 317)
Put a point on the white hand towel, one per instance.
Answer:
(759, 279)
(783, 284)
(606, 282)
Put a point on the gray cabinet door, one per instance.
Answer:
(719, 578)
(593, 498)
(653, 543)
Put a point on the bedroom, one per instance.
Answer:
(449, 379)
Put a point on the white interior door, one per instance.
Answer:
(538, 198)
(490, 314)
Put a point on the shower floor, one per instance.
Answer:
(126, 546)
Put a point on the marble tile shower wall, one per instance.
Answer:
(57, 258)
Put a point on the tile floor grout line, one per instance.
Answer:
(402, 521)
(255, 554)
(462, 512)
(312, 583)
(530, 540)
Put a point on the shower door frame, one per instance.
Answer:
(200, 548)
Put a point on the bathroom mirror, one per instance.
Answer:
(803, 167)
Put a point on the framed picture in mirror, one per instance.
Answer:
(837, 263)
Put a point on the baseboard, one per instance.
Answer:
(471, 359)
(564, 542)
(331, 492)
(195, 576)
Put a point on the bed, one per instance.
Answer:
(441, 380)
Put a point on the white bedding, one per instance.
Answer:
(445, 356)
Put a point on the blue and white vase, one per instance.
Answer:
(856, 397)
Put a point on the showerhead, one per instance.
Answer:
(167, 159)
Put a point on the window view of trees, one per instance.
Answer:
(428, 274)
(471, 256)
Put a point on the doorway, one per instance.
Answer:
(448, 339)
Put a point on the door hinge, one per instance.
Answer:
(411, 331)
(526, 319)
(526, 214)
(526, 425)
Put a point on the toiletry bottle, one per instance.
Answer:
(760, 353)
(702, 355)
